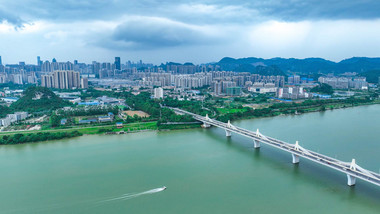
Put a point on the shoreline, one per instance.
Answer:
(98, 129)
(311, 111)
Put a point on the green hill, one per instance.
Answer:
(372, 76)
(304, 66)
(36, 99)
(262, 70)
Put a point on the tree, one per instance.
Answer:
(323, 89)
(55, 120)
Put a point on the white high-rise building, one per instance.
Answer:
(158, 93)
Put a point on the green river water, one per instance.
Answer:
(204, 171)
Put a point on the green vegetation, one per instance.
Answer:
(233, 110)
(88, 111)
(91, 129)
(91, 92)
(35, 137)
(192, 106)
(292, 108)
(37, 99)
(4, 110)
(323, 89)
(371, 76)
(144, 103)
(178, 126)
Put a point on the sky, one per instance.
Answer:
(197, 31)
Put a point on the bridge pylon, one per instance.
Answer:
(256, 144)
(228, 133)
(351, 180)
(206, 125)
(295, 158)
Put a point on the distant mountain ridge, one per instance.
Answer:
(305, 66)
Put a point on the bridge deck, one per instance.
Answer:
(333, 163)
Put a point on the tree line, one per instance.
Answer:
(36, 137)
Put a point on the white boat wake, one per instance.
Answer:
(134, 195)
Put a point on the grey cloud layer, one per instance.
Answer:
(199, 28)
(63, 10)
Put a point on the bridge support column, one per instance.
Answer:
(296, 158)
(206, 125)
(228, 133)
(256, 144)
(351, 180)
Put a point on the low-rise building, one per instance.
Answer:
(262, 88)
(103, 119)
(119, 125)
(9, 99)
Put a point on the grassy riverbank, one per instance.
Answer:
(94, 129)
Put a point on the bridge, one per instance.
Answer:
(351, 169)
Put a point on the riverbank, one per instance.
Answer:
(36, 137)
(294, 109)
(23, 136)
(20, 137)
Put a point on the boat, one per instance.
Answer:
(164, 187)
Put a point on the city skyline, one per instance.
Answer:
(199, 32)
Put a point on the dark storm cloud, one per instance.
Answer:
(152, 33)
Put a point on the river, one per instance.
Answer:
(204, 171)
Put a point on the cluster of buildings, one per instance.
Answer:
(19, 78)
(293, 93)
(345, 82)
(12, 118)
(63, 79)
(181, 77)
(185, 81)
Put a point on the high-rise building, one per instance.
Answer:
(158, 93)
(17, 79)
(39, 62)
(1, 61)
(46, 67)
(84, 82)
(217, 87)
(47, 81)
(61, 80)
(294, 80)
(117, 63)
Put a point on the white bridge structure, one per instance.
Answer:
(351, 169)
